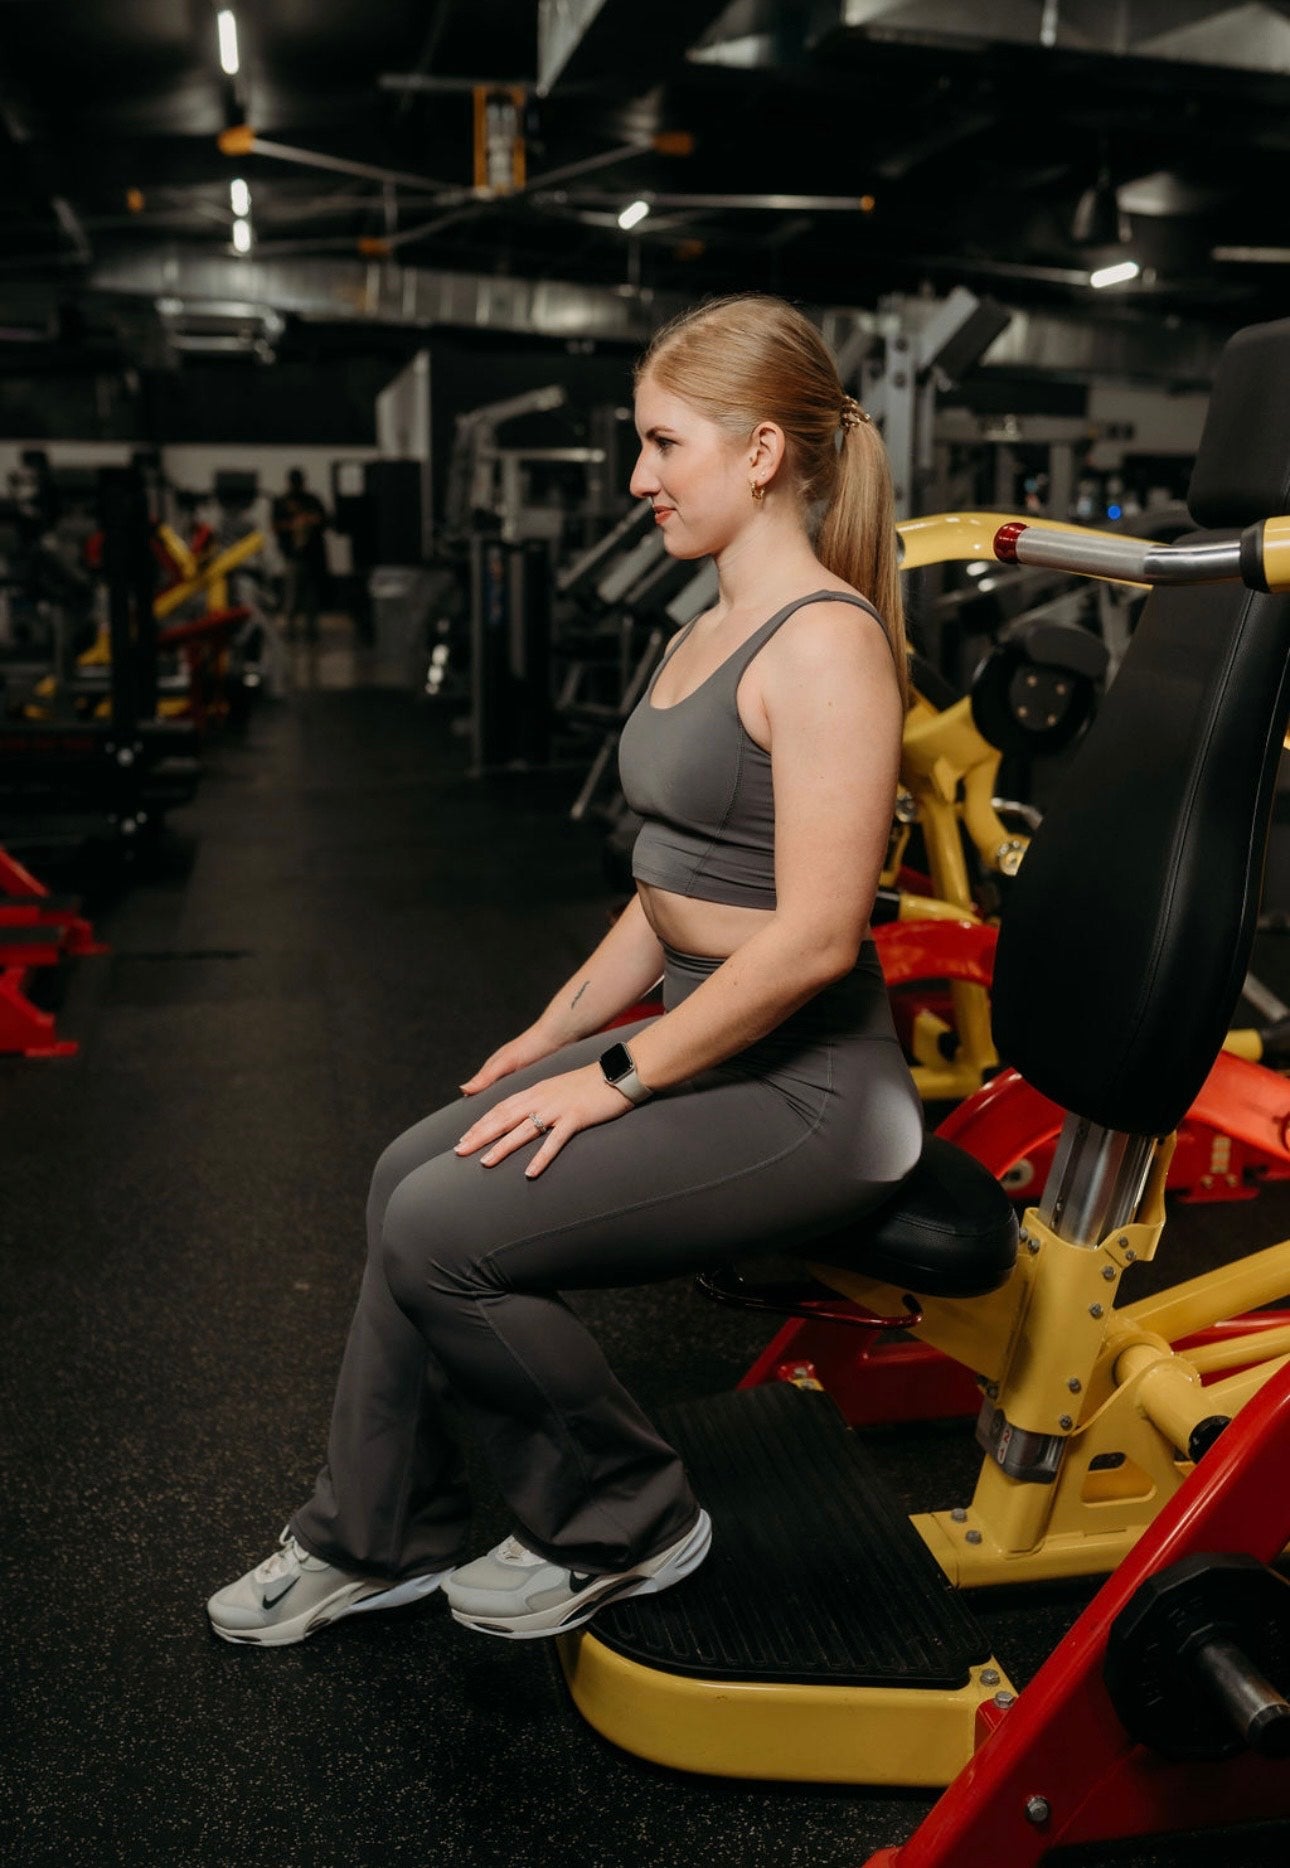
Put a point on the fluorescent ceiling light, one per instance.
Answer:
(240, 196)
(1119, 274)
(228, 42)
(242, 236)
(633, 216)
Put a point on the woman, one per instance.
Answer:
(770, 1101)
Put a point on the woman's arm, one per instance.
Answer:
(628, 961)
(621, 970)
(830, 695)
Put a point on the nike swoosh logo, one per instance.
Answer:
(270, 1602)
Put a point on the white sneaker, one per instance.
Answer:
(512, 1591)
(292, 1594)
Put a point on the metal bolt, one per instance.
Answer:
(1038, 1810)
(1123, 1239)
(1074, 1385)
(1025, 1236)
(992, 1389)
(974, 1537)
(1065, 1423)
(1005, 1699)
(1108, 1272)
(1129, 1253)
(1032, 1246)
(1095, 1310)
(989, 1676)
(959, 1515)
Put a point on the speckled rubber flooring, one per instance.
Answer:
(342, 926)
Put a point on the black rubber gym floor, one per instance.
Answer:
(343, 926)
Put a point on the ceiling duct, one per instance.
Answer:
(1075, 348)
(604, 42)
(1250, 37)
(383, 293)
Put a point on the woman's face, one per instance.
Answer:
(692, 471)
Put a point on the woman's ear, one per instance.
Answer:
(766, 449)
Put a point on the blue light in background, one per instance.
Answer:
(1114, 512)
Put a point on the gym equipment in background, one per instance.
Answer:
(37, 929)
(65, 782)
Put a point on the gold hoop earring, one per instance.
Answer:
(757, 490)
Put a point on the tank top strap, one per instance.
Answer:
(760, 637)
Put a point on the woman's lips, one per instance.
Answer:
(663, 512)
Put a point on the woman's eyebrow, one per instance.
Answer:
(660, 428)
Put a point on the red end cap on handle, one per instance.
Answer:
(1005, 540)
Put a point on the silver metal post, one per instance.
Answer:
(1095, 1182)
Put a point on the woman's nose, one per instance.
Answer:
(642, 483)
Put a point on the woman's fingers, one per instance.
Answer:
(551, 1146)
(498, 1065)
(490, 1128)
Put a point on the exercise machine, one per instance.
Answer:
(828, 1638)
(69, 780)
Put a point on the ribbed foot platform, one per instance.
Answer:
(814, 1577)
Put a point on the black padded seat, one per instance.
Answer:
(948, 1231)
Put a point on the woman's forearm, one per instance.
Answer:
(766, 979)
(622, 969)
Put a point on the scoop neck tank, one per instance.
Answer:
(701, 783)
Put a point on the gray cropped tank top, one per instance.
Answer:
(702, 784)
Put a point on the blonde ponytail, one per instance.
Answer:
(857, 537)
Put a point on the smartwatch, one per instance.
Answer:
(617, 1068)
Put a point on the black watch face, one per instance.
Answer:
(615, 1062)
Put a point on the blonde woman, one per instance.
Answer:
(769, 1103)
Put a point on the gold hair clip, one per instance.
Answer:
(852, 414)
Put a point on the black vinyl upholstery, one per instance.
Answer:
(1129, 926)
(950, 1230)
(1242, 471)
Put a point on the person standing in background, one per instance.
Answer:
(299, 521)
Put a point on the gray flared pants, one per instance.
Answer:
(460, 1312)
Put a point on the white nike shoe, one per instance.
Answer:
(292, 1594)
(514, 1592)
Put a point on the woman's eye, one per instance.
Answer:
(662, 444)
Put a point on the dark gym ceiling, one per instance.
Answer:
(842, 150)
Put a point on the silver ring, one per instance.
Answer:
(541, 1127)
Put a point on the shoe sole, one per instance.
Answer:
(541, 1624)
(333, 1609)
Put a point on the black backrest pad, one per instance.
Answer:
(1242, 470)
(1128, 929)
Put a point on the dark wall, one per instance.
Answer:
(327, 402)
(324, 398)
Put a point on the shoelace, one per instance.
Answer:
(513, 1551)
(288, 1557)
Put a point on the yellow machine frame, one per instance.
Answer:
(195, 578)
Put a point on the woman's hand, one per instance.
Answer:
(529, 1048)
(557, 1107)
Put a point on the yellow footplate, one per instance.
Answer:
(819, 1642)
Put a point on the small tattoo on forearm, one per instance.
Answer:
(577, 995)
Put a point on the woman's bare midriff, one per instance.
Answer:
(687, 925)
